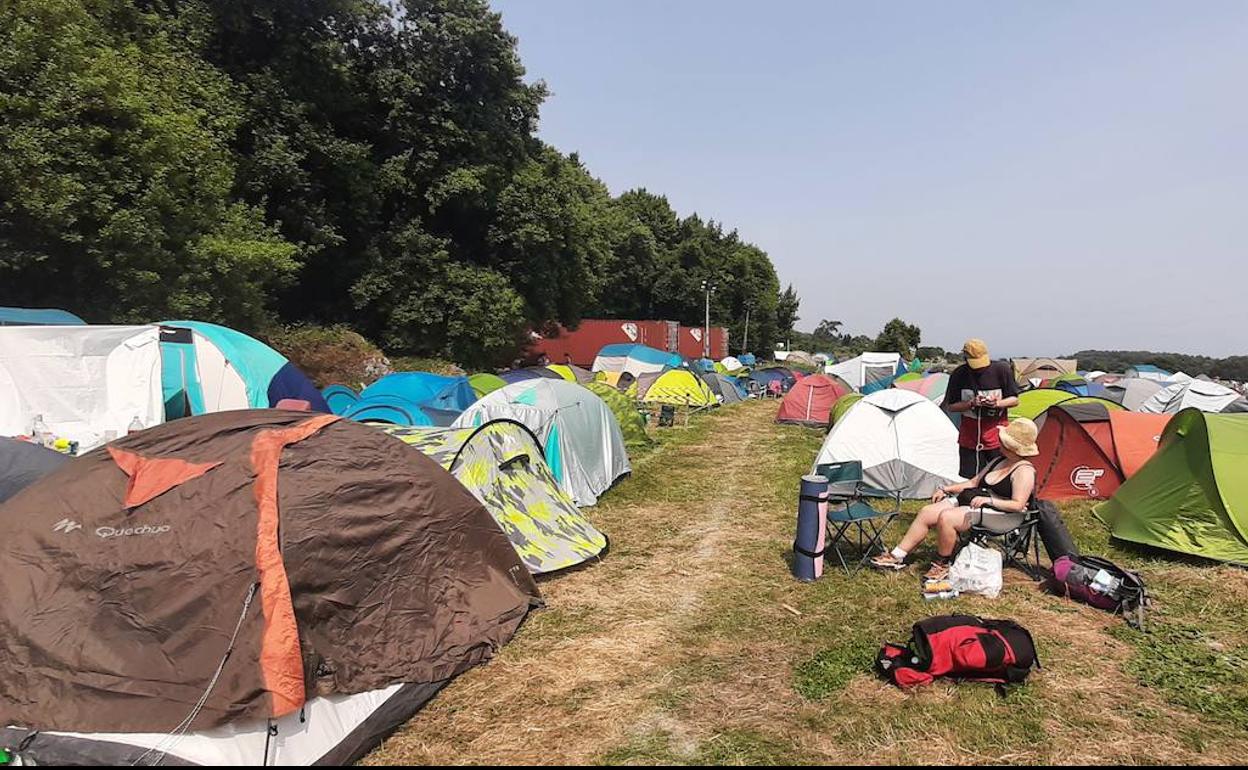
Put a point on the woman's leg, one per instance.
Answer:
(952, 522)
(927, 518)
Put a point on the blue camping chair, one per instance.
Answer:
(855, 524)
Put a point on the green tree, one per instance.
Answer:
(828, 331)
(116, 179)
(899, 337)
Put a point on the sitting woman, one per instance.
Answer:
(996, 499)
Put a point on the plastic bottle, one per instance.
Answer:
(40, 432)
(135, 425)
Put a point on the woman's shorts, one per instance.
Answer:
(996, 522)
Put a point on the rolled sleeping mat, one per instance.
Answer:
(812, 528)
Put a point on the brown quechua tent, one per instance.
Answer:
(248, 587)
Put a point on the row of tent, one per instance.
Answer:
(318, 658)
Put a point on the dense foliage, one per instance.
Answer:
(366, 162)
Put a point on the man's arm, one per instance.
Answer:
(955, 386)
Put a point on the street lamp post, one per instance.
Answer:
(708, 287)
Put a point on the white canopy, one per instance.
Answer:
(866, 368)
(904, 441)
(84, 381)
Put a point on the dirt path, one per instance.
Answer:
(679, 648)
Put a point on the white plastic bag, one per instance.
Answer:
(977, 570)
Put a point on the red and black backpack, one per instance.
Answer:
(960, 647)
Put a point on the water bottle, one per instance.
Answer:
(40, 432)
(135, 425)
(1105, 583)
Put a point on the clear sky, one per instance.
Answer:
(1049, 176)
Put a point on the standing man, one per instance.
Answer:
(984, 391)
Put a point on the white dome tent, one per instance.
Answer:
(904, 442)
(582, 440)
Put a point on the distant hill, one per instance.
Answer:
(1233, 368)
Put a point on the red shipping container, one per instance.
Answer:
(691, 339)
(580, 346)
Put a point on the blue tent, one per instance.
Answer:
(775, 373)
(747, 359)
(519, 375)
(23, 316)
(210, 368)
(340, 398)
(412, 398)
(1148, 371)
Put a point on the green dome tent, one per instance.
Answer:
(484, 383)
(843, 405)
(1192, 495)
(1033, 403)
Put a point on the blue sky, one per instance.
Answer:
(1049, 176)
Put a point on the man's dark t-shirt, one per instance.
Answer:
(980, 425)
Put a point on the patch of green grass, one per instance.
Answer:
(747, 747)
(830, 670)
(1191, 669)
(651, 748)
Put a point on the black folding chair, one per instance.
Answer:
(1019, 546)
(854, 523)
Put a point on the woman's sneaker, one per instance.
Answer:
(887, 561)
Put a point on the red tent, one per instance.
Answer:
(1087, 451)
(810, 400)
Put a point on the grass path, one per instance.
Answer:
(677, 647)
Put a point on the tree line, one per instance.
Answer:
(1232, 368)
(897, 336)
(366, 162)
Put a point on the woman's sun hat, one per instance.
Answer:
(1020, 437)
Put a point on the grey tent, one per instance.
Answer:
(1132, 391)
(22, 463)
(583, 443)
(723, 387)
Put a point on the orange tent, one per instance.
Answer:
(810, 400)
(1087, 451)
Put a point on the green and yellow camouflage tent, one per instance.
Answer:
(501, 462)
(1192, 495)
(632, 424)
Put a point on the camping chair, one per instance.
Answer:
(667, 416)
(1020, 546)
(852, 519)
(754, 389)
(775, 389)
